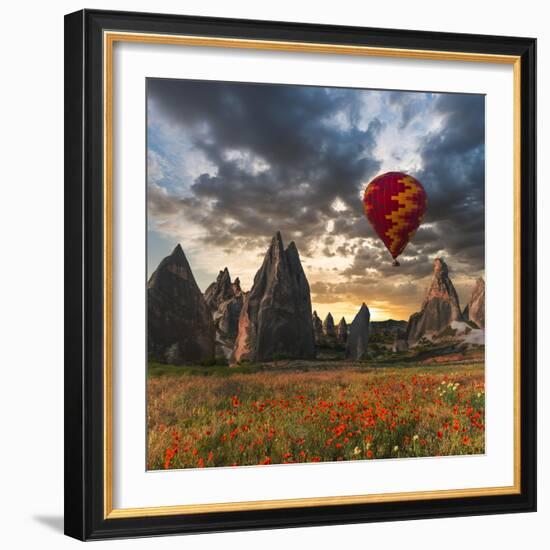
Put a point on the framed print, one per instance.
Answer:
(300, 274)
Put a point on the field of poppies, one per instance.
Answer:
(288, 413)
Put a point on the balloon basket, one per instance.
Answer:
(395, 263)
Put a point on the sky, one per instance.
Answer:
(229, 164)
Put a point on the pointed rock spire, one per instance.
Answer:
(178, 253)
(358, 338)
(237, 286)
(329, 330)
(440, 307)
(225, 300)
(179, 324)
(220, 290)
(475, 310)
(275, 320)
(317, 328)
(342, 331)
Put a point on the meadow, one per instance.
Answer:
(291, 412)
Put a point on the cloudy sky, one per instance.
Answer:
(229, 164)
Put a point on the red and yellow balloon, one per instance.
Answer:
(395, 204)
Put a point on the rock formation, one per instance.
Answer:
(400, 341)
(439, 309)
(276, 320)
(329, 330)
(342, 331)
(221, 289)
(179, 323)
(317, 329)
(358, 337)
(225, 300)
(475, 310)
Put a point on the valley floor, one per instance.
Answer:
(312, 411)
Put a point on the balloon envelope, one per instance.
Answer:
(395, 204)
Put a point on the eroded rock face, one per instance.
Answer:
(221, 289)
(225, 300)
(342, 331)
(439, 309)
(317, 329)
(276, 319)
(358, 337)
(329, 330)
(475, 310)
(180, 329)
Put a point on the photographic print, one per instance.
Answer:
(315, 274)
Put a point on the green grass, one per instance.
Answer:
(160, 369)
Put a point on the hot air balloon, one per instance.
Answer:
(395, 204)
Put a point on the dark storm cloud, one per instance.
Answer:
(284, 154)
(409, 105)
(454, 176)
(294, 159)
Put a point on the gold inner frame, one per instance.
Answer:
(109, 39)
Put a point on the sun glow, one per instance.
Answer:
(349, 311)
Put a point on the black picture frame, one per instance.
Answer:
(84, 281)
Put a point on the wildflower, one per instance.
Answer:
(170, 454)
(357, 451)
(395, 449)
(440, 434)
(267, 460)
(369, 454)
(415, 437)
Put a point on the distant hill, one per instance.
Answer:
(390, 326)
